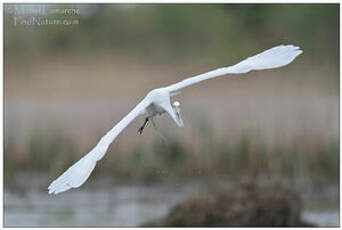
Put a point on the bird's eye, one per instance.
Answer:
(176, 104)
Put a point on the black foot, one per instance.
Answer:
(141, 129)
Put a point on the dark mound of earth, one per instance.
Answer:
(241, 206)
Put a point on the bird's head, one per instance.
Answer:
(176, 109)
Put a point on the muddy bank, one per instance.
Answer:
(245, 205)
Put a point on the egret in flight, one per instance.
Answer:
(158, 102)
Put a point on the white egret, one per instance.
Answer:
(157, 102)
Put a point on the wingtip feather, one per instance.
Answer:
(74, 177)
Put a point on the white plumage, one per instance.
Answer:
(272, 58)
(158, 102)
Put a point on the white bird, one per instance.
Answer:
(158, 102)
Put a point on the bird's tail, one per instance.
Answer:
(74, 177)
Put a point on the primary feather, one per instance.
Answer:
(74, 177)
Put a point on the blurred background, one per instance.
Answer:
(73, 71)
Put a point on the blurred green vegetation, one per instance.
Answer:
(178, 30)
(172, 159)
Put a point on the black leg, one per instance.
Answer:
(141, 129)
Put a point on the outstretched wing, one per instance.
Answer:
(272, 58)
(79, 172)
